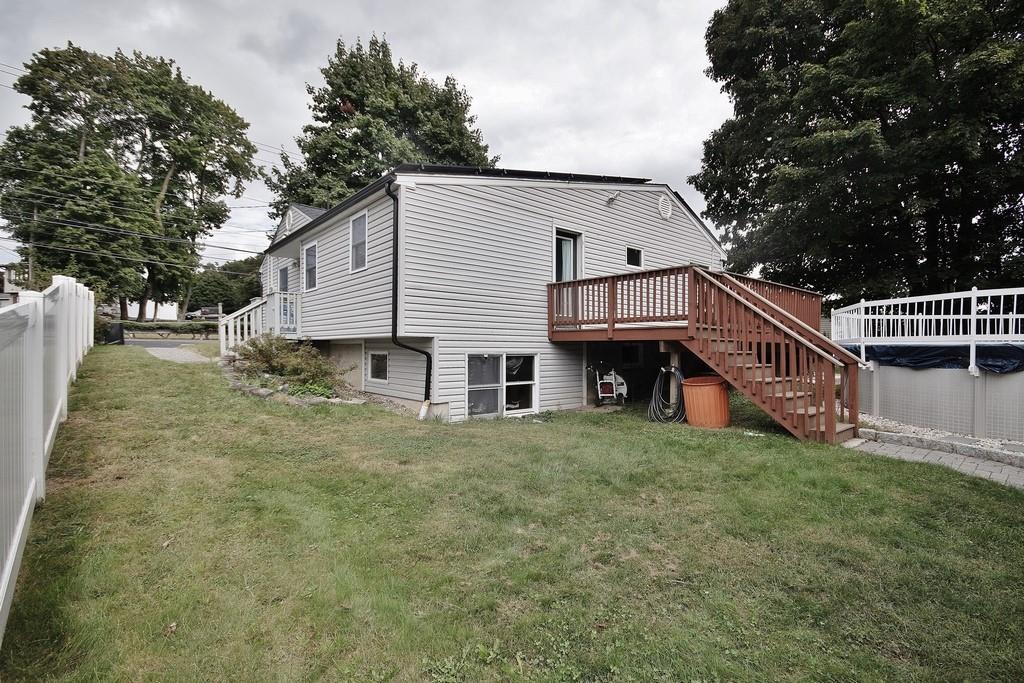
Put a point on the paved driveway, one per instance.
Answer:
(174, 350)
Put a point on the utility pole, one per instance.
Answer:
(31, 236)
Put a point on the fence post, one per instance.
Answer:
(33, 389)
(860, 316)
(973, 367)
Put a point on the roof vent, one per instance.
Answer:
(665, 207)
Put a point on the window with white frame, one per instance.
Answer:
(379, 366)
(634, 257)
(501, 384)
(309, 267)
(282, 279)
(357, 243)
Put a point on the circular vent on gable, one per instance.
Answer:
(665, 207)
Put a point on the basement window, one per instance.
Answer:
(634, 257)
(379, 366)
(501, 384)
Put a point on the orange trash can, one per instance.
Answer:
(707, 401)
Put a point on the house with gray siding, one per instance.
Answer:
(443, 286)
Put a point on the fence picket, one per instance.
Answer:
(43, 338)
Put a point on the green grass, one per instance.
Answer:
(347, 543)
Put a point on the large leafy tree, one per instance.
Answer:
(875, 147)
(121, 144)
(371, 114)
(232, 284)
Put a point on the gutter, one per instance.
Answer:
(428, 375)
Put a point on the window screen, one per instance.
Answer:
(358, 240)
(379, 366)
(310, 266)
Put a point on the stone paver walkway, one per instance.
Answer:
(976, 467)
(177, 355)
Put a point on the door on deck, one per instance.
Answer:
(567, 255)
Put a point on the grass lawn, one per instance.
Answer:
(190, 532)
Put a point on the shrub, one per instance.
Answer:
(100, 328)
(311, 389)
(194, 327)
(300, 364)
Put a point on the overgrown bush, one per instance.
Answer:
(100, 328)
(299, 364)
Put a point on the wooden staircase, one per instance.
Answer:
(755, 334)
(805, 381)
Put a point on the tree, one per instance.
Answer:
(875, 148)
(370, 115)
(222, 285)
(127, 143)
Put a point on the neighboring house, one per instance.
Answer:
(462, 312)
(9, 287)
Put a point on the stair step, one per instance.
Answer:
(844, 431)
(788, 395)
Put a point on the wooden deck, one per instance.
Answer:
(762, 337)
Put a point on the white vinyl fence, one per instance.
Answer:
(43, 339)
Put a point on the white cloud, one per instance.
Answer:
(593, 87)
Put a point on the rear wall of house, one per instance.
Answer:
(477, 259)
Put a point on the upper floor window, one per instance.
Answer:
(357, 243)
(282, 279)
(309, 267)
(634, 257)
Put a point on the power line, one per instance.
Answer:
(35, 245)
(125, 212)
(98, 182)
(121, 231)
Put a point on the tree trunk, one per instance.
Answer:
(123, 303)
(162, 194)
(144, 299)
(183, 308)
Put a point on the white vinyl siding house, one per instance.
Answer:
(475, 256)
(478, 254)
(297, 216)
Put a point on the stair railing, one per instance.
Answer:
(848, 390)
(747, 345)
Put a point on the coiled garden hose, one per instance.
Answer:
(662, 410)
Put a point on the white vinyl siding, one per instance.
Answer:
(347, 305)
(270, 274)
(477, 259)
(406, 369)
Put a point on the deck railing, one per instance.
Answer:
(768, 353)
(651, 296)
(803, 304)
(656, 296)
(985, 316)
(276, 313)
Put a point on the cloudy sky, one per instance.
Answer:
(583, 86)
